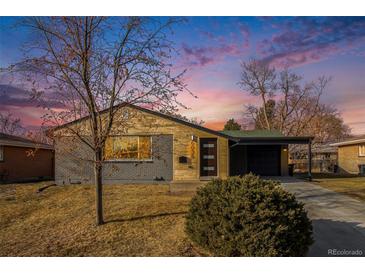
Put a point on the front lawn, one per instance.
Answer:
(351, 186)
(142, 220)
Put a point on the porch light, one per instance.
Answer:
(194, 138)
(285, 149)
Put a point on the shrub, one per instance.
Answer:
(248, 216)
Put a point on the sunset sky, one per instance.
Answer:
(212, 48)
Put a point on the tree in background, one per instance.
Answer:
(231, 124)
(288, 104)
(328, 126)
(259, 80)
(93, 64)
(261, 114)
(11, 125)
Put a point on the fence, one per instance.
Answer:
(323, 165)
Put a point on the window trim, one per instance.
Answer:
(131, 160)
(361, 153)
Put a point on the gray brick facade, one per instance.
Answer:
(72, 163)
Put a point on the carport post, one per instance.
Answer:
(310, 160)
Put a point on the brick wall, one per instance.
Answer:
(17, 166)
(349, 159)
(72, 165)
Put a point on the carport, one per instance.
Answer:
(264, 155)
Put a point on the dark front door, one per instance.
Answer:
(208, 157)
(264, 160)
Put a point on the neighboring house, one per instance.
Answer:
(351, 155)
(324, 158)
(24, 160)
(151, 146)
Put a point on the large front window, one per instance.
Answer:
(133, 148)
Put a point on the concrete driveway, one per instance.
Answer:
(338, 220)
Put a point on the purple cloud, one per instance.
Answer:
(245, 33)
(11, 96)
(201, 56)
(305, 40)
(233, 43)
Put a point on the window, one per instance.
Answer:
(362, 150)
(208, 145)
(1, 153)
(132, 148)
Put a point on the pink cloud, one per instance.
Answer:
(216, 106)
(215, 125)
(353, 112)
(30, 116)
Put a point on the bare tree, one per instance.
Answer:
(39, 135)
(327, 126)
(287, 104)
(10, 124)
(95, 63)
(259, 80)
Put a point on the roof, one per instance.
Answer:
(252, 133)
(352, 141)
(280, 140)
(234, 135)
(245, 137)
(162, 115)
(16, 141)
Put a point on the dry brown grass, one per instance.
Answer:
(354, 187)
(141, 220)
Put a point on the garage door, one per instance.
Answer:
(264, 160)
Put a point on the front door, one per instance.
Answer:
(208, 157)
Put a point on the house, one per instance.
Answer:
(324, 158)
(24, 160)
(147, 146)
(351, 155)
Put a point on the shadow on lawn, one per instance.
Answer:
(152, 216)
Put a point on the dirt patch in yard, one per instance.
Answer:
(141, 220)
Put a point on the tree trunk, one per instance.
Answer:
(98, 168)
(268, 126)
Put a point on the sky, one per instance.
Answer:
(212, 49)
